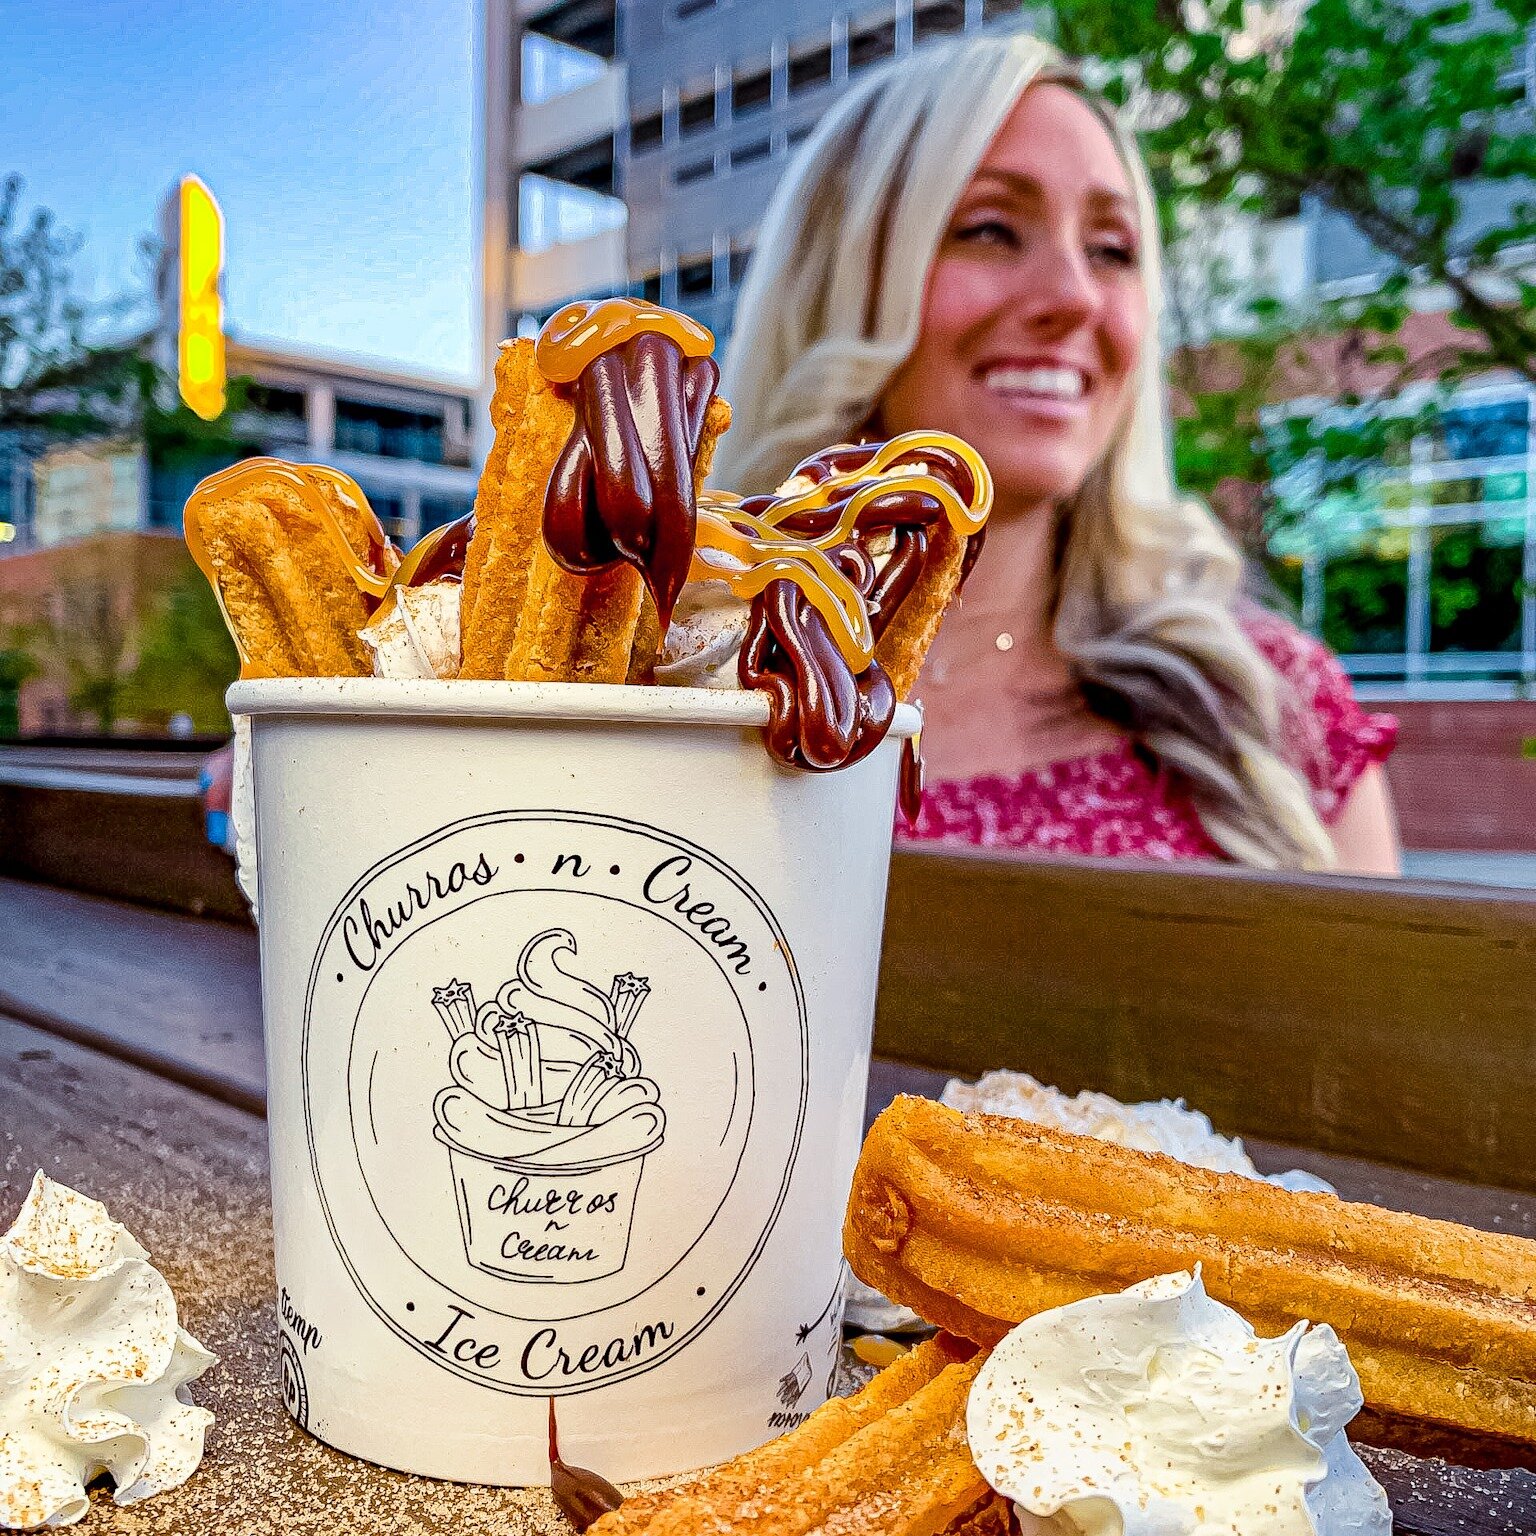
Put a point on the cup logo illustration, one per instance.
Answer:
(549, 1118)
(555, 1075)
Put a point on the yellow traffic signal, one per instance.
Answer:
(200, 341)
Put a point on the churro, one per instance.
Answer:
(921, 501)
(892, 1459)
(579, 509)
(977, 1222)
(298, 562)
(589, 522)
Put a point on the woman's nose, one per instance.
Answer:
(1055, 288)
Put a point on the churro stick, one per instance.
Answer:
(977, 1222)
(904, 645)
(892, 1460)
(531, 427)
(827, 1428)
(507, 404)
(298, 562)
(582, 628)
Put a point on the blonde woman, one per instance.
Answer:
(967, 242)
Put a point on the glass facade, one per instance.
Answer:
(551, 213)
(1419, 567)
(388, 432)
(552, 68)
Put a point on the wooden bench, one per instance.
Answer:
(1393, 1020)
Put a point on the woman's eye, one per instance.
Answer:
(1115, 252)
(985, 232)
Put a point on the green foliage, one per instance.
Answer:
(17, 665)
(1388, 114)
(186, 660)
(55, 386)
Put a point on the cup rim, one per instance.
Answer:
(439, 699)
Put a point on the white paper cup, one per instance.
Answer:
(568, 996)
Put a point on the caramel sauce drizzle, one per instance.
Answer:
(758, 535)
(373, 577)
(575, 336)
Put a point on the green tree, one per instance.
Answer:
(1406, 121)
(55, 384)
(17, 666)
(186, 660)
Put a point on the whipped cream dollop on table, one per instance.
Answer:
(94, 1366)
(1156, 1411)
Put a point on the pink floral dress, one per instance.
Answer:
(1115, 804)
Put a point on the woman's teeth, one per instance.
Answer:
(1045, 383)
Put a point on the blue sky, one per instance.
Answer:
(339, 139)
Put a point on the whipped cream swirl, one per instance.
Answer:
(93, 1365)
(417, 634)
(1156, 1411)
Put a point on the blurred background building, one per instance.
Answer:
(105, 625)
(631, 146)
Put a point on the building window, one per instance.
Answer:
(697, 115)
(696, 280)
(271, 401)
(1412, 565)
(388, 432)
(871, 45)
(810, 70)
(694, 170)
(551, 68)
(748, 154)
(942, 20)
(551, 213)
(645, 133)
(751, 91)
(686, 10)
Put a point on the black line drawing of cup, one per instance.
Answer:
(549, 1117)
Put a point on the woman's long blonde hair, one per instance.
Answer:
(1146, 580)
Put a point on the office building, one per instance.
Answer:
(643, 140)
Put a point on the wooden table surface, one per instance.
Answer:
(143, 1122)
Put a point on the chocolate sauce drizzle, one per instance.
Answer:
(443, 552)
(909, 786)
(583, 1496)
(822, 715)
(622, 488)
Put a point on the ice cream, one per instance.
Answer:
(1156, 1411)
(417, 635)
(93, 1365)
(1162, 1125)
(704, 638)
(548, 1116)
